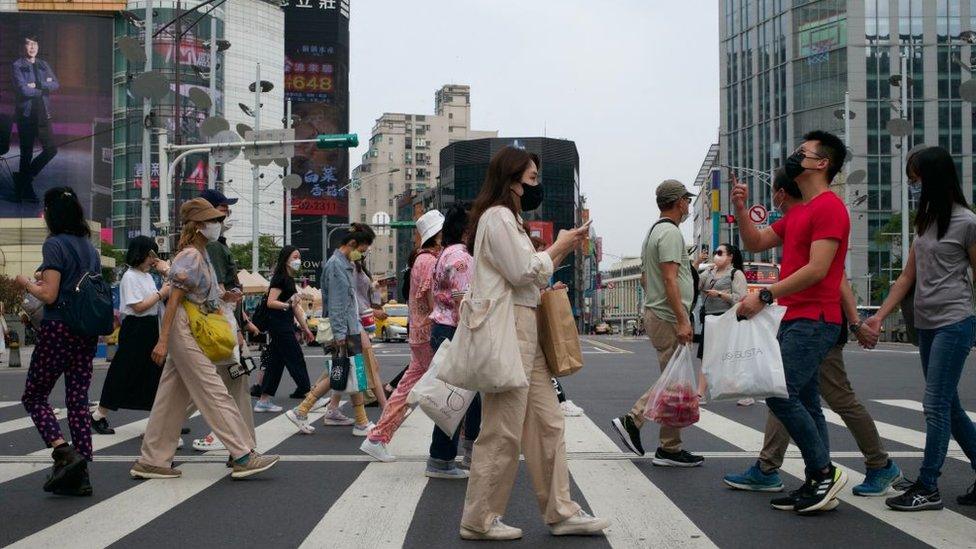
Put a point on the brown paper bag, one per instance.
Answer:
(558, 335)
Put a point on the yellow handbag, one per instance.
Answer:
(211, 331)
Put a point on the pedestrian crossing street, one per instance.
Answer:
(327, 494)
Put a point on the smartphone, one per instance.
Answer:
(586, 225)
(236, 291)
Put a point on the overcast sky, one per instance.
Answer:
(633, 82)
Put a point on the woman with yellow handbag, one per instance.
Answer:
(193, 336)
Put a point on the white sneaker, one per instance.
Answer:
(746, 401)
(300, 421)
(499, 531)
(179, 445)
(267, 406)
(377, 450)
(580, 524)
(334, 417)
(362, 430)
(207, 443)
(570, 409)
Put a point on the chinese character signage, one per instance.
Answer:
(55, 110)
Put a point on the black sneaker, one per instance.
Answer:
(629, 433)
(79, 485)
(969, 498)
(101, 426)
(682, 458)
(819, 490)
(788, 503)
(916, 498)
(67, 462)
(185, 431)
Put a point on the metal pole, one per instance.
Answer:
(904, 146)
(163, 185)
(145, 226)
(177, 99)
(848, 260)
(211, 168)
(255, 174)
(288, 190)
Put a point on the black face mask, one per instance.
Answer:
(794, 165)
(531, 197)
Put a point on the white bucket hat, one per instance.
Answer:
(429, 225)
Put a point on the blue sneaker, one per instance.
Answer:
(755, 480)
(877, 481)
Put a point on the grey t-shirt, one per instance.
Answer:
(943, 283)
(62, 253)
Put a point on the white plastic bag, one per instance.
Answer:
(674, 397)
(443, 403)
(742, 358)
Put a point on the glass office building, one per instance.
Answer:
(785, 68)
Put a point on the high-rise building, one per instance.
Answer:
(785, 69)
(403, 159)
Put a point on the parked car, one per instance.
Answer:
(602, 328)
(394, 326)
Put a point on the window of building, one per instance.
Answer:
(362, 218)
(450, 115)
(390, 248)
(362, 201)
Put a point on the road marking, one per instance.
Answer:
(607, 347)
(641, 515)
(375, 511)
(945, 528)
(901, 435)
(413, 436)
(913, 405)
(112, 519)
(870, 351)
(9, 403)
(22, 423)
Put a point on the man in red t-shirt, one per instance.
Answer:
(814, 240)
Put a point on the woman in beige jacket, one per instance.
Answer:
(527, 419)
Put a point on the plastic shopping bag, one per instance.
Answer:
(742, 357)
(356, 379)
(444, 404)
(674, 398)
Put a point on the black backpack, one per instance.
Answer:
(87, 307)
(695, 276)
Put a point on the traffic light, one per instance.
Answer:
(337, 141)
(729, 218)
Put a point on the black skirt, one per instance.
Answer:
(133, 377)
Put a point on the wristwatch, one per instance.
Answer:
(854, 328)
(766, 296)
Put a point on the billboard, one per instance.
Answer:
(317, 83)
(55, 111)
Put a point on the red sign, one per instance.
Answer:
(758, 213)
(542, 230)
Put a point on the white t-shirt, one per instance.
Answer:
(136, 286)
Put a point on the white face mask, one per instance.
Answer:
(226, 226)
(295, 264)
(211, 231)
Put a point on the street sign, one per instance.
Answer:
(337, 141)
(266, 153)
(381, 222)
(225, 155)
(403, 224)
(758, 213)
(611, 285)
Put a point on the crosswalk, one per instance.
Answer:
(391, 505)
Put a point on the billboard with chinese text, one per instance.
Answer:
(55, 111)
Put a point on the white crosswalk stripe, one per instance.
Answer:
(9, 403)
(23, 423)
(943, 529)
(612, 484)
(912, 405)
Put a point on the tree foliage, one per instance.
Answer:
(267, 253)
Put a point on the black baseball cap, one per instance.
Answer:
(217, 198)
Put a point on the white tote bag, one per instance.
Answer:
(742, 358)
(443, 403)
(484, 353)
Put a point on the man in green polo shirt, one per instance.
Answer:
(668, 292)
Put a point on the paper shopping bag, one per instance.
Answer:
(443, 403)
(557, 333)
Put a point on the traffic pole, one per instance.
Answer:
(255, 174)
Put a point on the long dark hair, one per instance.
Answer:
(63, 213)
(736, 253)
(940, 189)
(281, 265)
(506, 168)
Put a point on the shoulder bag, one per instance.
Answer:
(484, 354)
(87, 306)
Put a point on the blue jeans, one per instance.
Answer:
(444, 448)
(804, 345)
(944, 351)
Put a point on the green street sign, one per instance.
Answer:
(337, 141)
(403, 224)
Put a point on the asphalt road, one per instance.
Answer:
(326, 493)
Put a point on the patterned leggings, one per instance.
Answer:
(60, 351)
